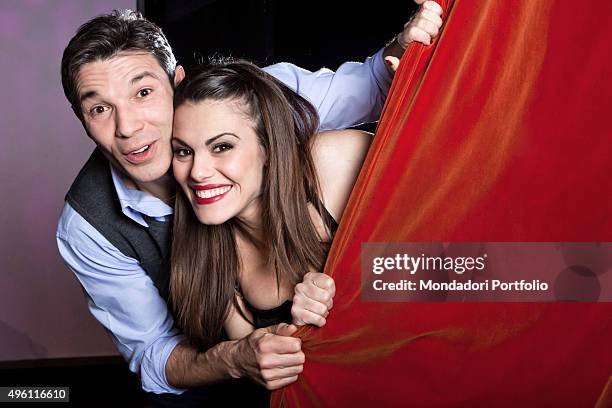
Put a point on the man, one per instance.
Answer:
(118, 73)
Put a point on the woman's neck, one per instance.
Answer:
(251, 220)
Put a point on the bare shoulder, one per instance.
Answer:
(338, 156)
(340, 141)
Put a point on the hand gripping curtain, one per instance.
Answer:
(499, 131)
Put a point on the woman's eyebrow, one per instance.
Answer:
(212, 139)
(179, 141)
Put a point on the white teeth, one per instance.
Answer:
(140, 150)
(213, 192)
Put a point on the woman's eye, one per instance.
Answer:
(182, 152)
(144, 92)
(221, 147)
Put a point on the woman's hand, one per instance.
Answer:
(423, 27)
(313, 299)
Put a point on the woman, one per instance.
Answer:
(261, 196)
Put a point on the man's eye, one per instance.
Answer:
(97, 110)
(144, 92)
(182, 152)
(221, 147)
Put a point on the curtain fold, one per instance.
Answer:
(499, 131)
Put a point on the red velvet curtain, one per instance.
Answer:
(500, 131)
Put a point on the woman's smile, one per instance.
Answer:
(210, 193)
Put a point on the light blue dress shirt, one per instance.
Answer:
(120, 294)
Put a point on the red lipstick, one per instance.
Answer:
(209, 187)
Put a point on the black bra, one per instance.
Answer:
(282, 313)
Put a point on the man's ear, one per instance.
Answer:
(179, 74)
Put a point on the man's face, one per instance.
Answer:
(127, 110)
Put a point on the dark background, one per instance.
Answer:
(309, 34)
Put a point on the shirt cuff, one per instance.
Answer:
(381, 72)
(153, 368)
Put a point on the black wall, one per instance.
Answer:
(309, 34)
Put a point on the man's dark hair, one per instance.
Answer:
(106, 35)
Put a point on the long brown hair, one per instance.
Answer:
(205, 262)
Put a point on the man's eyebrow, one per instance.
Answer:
(87, 95)
(212, 139)
(134, 80)
(143, 75)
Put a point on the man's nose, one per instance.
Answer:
(128, 121)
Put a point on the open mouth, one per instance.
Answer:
(144, 149)
(141, 154)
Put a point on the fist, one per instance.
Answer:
(271, 357)
(313, 299)
(424, 26)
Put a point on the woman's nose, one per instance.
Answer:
(202, 170)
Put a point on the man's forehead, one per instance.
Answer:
(124, 68)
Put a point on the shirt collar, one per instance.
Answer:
(136, 203)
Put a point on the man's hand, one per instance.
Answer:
(423, 27)
(313, 299)
(269, 356)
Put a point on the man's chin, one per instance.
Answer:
(146, 172)
(148, 176)
(144, 175)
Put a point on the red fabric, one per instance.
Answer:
(501, 131)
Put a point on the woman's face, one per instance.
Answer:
(218, 160)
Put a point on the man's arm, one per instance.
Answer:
(122, 297)
(354, 94)
(268, 356)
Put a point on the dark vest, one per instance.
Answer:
(94, 197)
